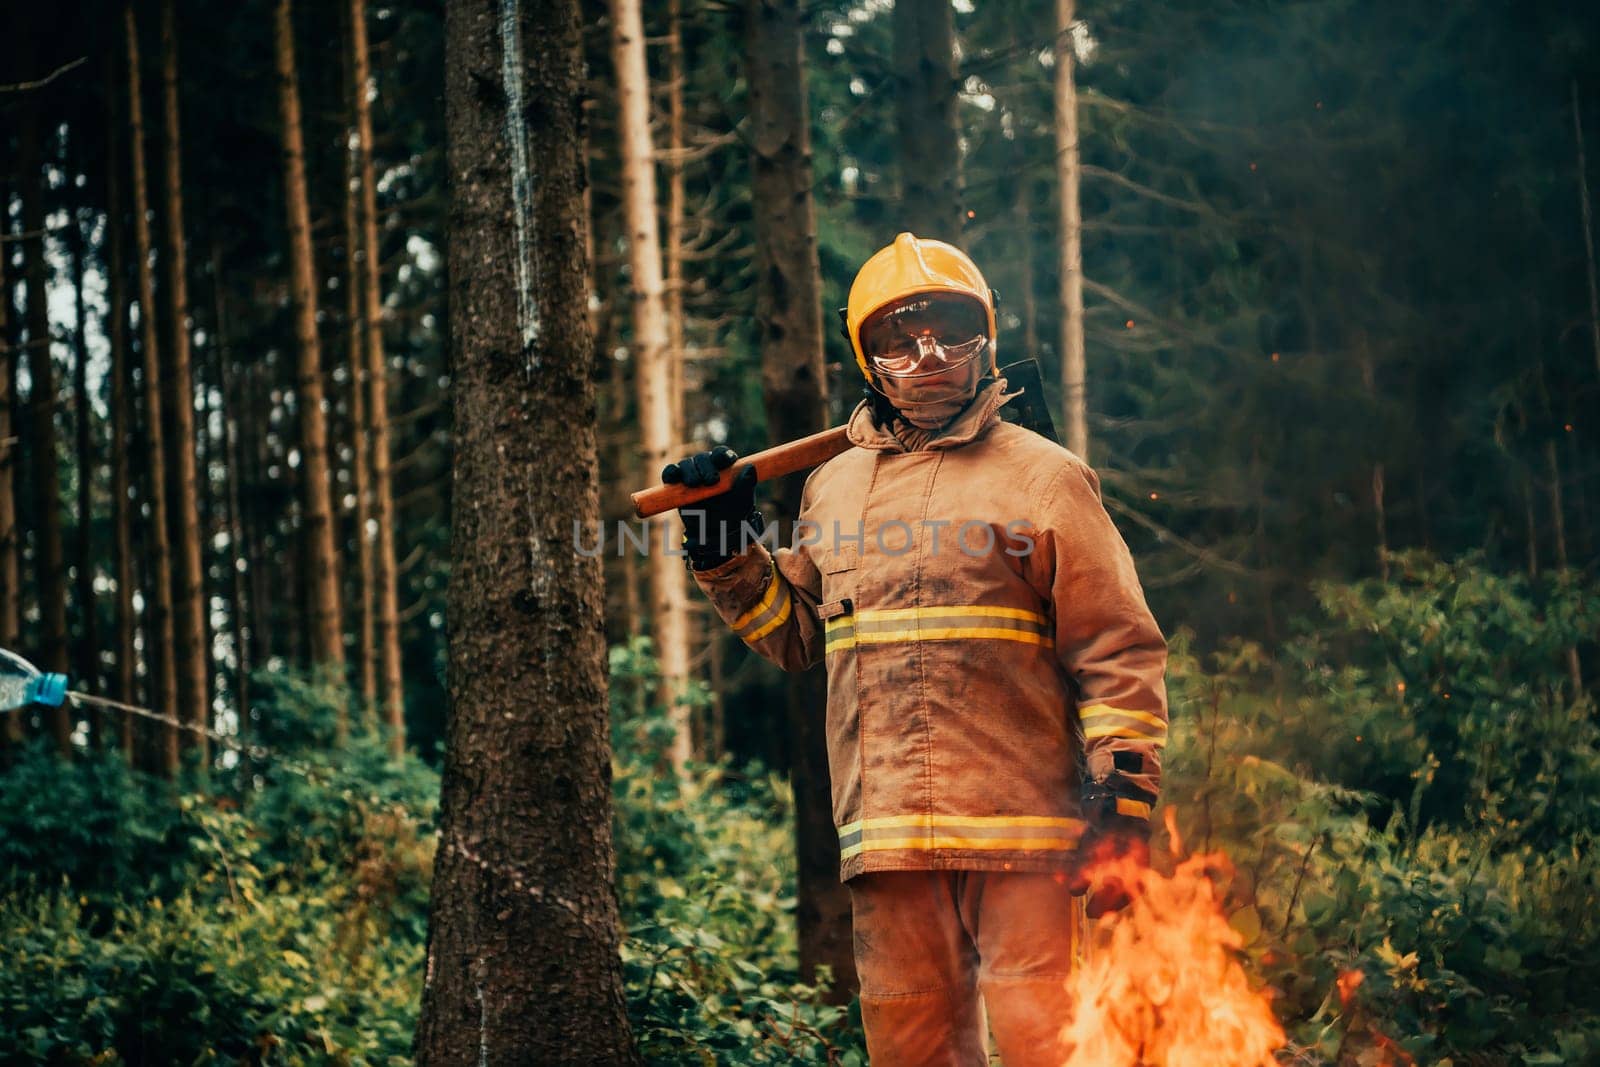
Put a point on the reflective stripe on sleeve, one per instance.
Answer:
(769, 613)
(1101, 720)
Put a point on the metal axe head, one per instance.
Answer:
(1028, 410)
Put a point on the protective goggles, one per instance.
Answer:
(925, 335)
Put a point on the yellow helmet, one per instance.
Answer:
(910, 266)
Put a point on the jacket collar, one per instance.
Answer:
(900, 436)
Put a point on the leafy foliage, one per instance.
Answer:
(281, 917)
(1388, 903)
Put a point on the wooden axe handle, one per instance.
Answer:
(770, 463)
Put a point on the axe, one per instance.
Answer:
(1027, 410)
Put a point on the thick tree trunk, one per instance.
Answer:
(386, 572)
(1074, 365)
(522, 962)
(321, 566)
(193, 653)
(160, 625)
(48, 564)
(794, 392)
(927, 145)
(10, 571)
(669, 601)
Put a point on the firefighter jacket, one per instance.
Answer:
(985, 636)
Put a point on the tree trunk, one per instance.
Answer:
(669, 601)
(675, 218)
(927, 145)
(523, 962)
(1022, 213)
(160, 627)
(794, 392)
(121, 435)
(192, 654)
(1558, 524)
(1074, 364)
(10, 570)
(321, 567)
(257, 545)
(1588, 226)
(360, 427)
(232, 519)
(52, 579)
(386, 573)
(1369, 380)
(88, 653)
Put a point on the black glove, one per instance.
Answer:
(723, 526)
(1110, 834)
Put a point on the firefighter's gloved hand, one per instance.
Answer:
(1117, 827)
(723, 526)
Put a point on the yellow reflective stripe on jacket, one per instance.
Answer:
(977, 832)
(1136, 808)
(1101, 720)
(770, 612)
(943, 623)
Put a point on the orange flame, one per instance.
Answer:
(1163, 984)
(1348, 982)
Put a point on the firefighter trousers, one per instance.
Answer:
(928, 943)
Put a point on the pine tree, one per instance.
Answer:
(927, 142)
(386, 576)
(159, 624)
(794, 392)
(523, 962)
(653, 377)
(48, 563)
(193, 653)
(321, 562)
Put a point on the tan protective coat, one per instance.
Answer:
(984, 629)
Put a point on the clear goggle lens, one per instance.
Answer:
(926, 354)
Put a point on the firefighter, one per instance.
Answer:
(996, 696)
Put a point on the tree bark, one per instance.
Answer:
(321, 566)
(192, 654)
(675, 216)
(794, 392)
(669, 600)
(1587, 217)
(1074, 363)
(257, 544)
(88, 649)
(522, 962)
(10, 570)
(927, 145)
(48, 563)
(386, 573)
(1558, 525)
(360, 426)
(160, 624)
(238, 554)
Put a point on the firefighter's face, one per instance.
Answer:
(928, 352)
